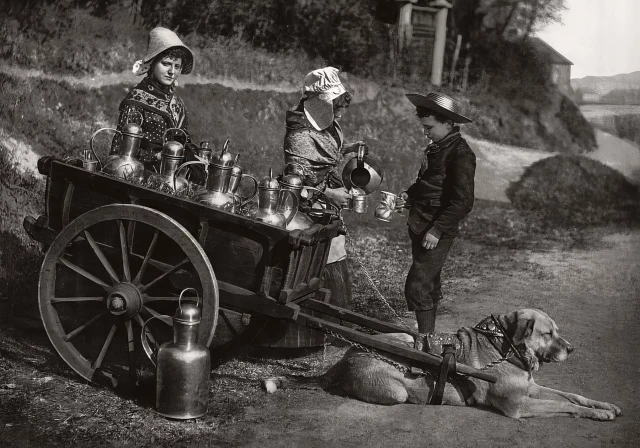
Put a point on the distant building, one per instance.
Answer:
(560, 67)
(589, 97)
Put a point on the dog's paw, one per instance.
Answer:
(602, 415)
(608, 407)
(614, 408)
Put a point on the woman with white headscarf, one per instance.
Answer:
(313, 147)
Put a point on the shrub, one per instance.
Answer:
(576, 191)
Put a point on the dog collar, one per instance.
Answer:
(490, 326)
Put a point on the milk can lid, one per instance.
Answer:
(269, 182)
(188, 312)
(132, 129)
(292, 180)
(173, 149)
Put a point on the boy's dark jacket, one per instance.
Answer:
(443, 193)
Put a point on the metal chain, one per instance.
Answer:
(366, 274)
(372, 353)
(495, 363)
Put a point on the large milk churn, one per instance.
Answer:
(182, 366)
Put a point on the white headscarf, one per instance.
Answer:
(321, 87)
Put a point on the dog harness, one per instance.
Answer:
(450, 346)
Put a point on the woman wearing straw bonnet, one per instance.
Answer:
(154, 103)
(313, 147)
(439, 199)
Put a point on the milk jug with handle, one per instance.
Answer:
(182, 366)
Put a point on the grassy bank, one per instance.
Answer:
(57, 118)
(77, 42)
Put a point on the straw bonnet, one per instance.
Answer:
(439, 103)
(321, 87)
(161, 39)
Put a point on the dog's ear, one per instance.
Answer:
(524, 328)
(517, 326)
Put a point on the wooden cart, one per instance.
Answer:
(119, 253)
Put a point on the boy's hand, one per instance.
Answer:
(402, 202)
(431, 239)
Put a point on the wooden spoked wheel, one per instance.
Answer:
(106, 273)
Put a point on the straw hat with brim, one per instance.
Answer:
(439, 103)
(161, 39)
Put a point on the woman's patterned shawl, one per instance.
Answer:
(312, 154)
(160, 108)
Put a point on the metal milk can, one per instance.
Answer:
(182, 366)
(217, 193)
(234, 183)
(293, 183)
(172, 156)
(274, 202)
(125, 163)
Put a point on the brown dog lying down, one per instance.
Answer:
(534, 334)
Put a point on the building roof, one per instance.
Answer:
(547, 52)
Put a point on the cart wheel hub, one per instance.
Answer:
(124, 299)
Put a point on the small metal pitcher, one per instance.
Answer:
(362, 172)
(217, 193)
(124, 164)
(274, 201)
(170, 164)
(359, 202)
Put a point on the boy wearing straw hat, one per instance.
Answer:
(439, 199)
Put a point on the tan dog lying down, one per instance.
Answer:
(515, 394)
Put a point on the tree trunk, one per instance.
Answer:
(454, 62)
(467, 63)
(393, 59)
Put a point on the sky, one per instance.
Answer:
(600, 37)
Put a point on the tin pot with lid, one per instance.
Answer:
(294, 183)
(273, 202)
(172, 156)
(217, 193)
(124, 163)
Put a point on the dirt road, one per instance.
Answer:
(594, 296)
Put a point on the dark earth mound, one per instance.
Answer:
(576, 191)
